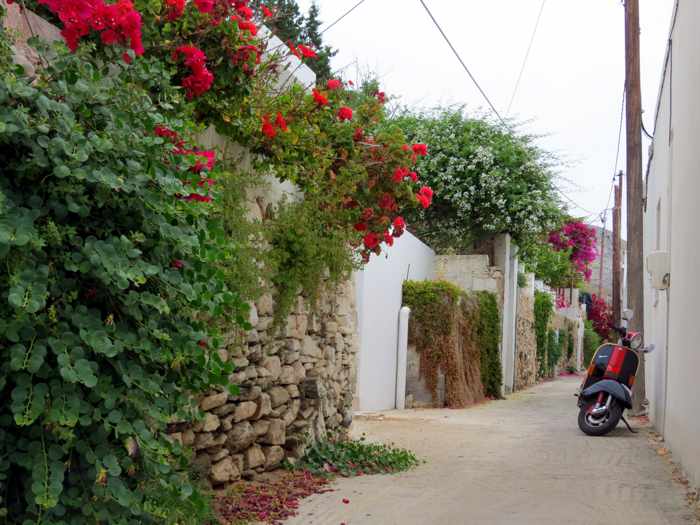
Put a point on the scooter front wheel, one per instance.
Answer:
(598, 425)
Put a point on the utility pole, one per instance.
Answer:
(635, 248)
(617, 259)
(602, 255)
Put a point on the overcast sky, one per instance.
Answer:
(571, 89)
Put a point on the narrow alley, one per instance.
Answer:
(519, 461)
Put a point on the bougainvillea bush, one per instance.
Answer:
(579, 241)
(487, 179)
(600, 315)
(109, 278)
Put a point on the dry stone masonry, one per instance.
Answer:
(296, 385)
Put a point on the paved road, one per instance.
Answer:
(519, 461)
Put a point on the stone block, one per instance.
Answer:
(287, 376)
(213, 401)
(245, 410)
(276, 434)
(264, 406)
(273, 365)
(265, 305)
(224, 471)
(253, 457)
(211, 423)
(261, 427)
(310, 347)
(273, 456)
(240, 437)
(278, 396)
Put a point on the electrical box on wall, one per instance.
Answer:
(659, 268)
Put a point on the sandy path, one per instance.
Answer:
(519, 461)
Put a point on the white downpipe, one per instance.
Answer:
(402, 357)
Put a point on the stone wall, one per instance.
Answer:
(526, 343)
(296, 386)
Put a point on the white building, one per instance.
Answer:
(671, 227)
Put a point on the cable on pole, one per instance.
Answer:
(358, 4)
(527, 55)
(449, 43)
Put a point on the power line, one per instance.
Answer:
(358, 4)
(483, 94)
(527, 55)
(617, 154)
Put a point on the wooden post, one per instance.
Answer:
(602, 255)
(635, 189)
(617, 259)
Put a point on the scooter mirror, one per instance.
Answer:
(627, 314)
(648, 349)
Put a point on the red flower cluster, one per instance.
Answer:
(425, 196)
(345, 113)
(174, 9)
(600, 315)
(201, 167)
(270, 130)
(334, 84)
(301, 51)
(266, 11)
(319, 98)
(118, 24)
(402, 173)
(582, 241)
(200, 79)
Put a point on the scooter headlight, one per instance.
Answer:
(636, 342)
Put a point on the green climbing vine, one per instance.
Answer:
(489, 339)
(543, 313)
(444, 319)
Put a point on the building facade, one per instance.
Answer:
(670, 227)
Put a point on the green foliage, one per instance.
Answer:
(104, 338)
(298, 262)
(522, 280)
(486, 180)
(489, 339)
(591, 342)
(434, 306)
(543, 313)
(552, 267)
(570, 344)
(554, 350)
(357, 457)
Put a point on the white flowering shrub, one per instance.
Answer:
(487, 180)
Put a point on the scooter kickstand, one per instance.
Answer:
(628, 426)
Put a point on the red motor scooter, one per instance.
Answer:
(606, 390)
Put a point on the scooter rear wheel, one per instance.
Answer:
(598, 425)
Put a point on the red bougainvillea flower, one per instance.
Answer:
(244, 11)
(413, 176)
(204, 6)
(387, 202)
(174, 9)
(202, 343)
(118, 23)
(371, 241)
(266, 11)
(399, 226)
(198, 198)
(425, 196)
(388, 238)
(420, 149)
(400, 174)
(306, 51)
(320, 98)
(360, 227)
(177, 264)
(162, 131)
(381, 96)
(367, 214)
(345, 113)
(210, 158)
(334, 84)
(247, 25)
(267, 128)
(358, 135)
(293, 49)
(280, 122)
(200, 79)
